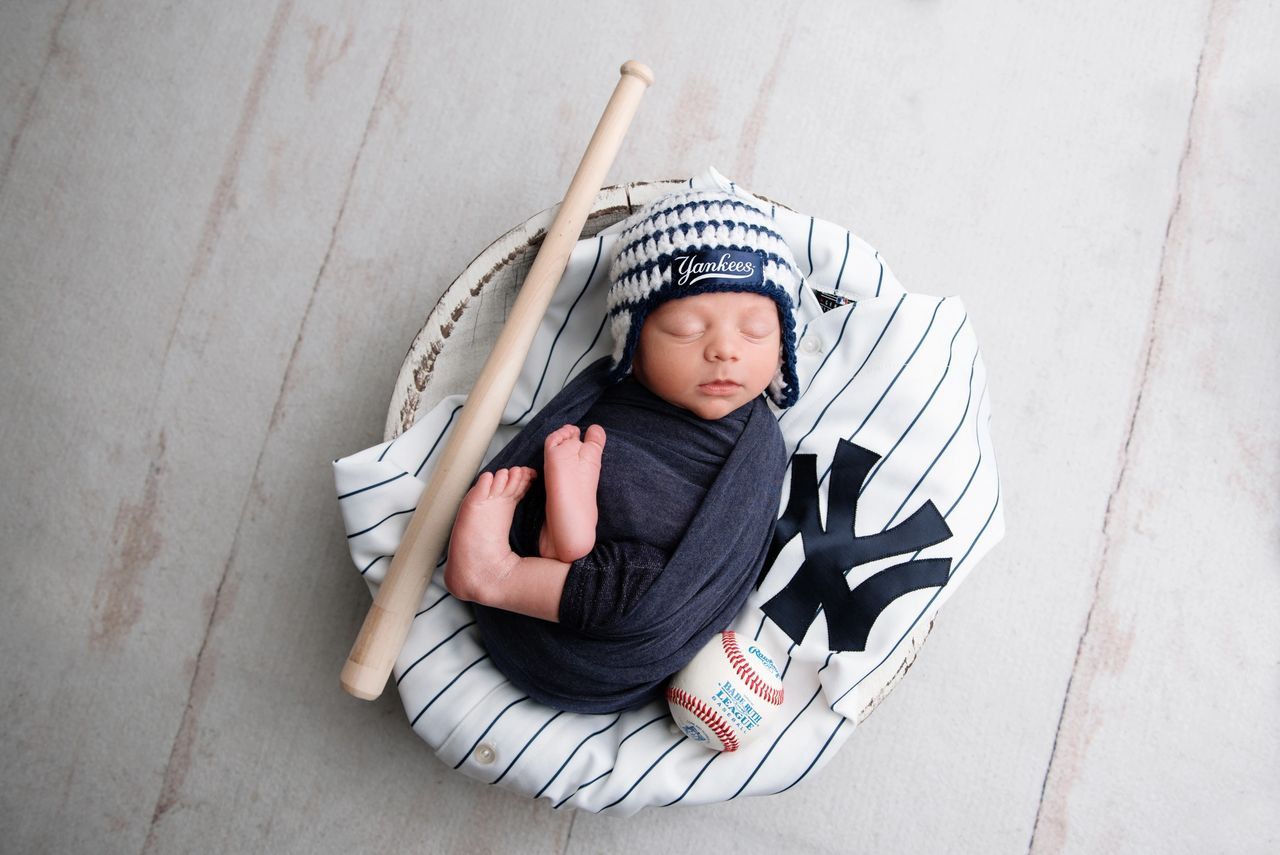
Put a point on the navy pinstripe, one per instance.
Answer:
(443, 597)
(381, 521)
(847, 237)
(621, 742)
(485, 732)
(888, 388)
(617, 718)
(521, 752)
(848, 316)
(695, 780)
(437, 646)
(947, 370)
(600, 329)
(455, 679)
(810, 246)
(645, 774)
(852, 377)
(436, 444)
(543, 376)
(371, 486)
(816, 757)
(968, 401)
(371, 563)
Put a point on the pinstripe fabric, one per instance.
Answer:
(899, 374)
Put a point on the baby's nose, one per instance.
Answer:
(721, 346)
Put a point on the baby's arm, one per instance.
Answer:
(482, 567)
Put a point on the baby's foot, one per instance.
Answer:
(572, 469)
(480, 553)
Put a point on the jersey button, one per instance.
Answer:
(811, 345)
(484, 754)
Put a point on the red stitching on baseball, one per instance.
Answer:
(746, 671)
(706, 715)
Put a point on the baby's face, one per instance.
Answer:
(710, 353)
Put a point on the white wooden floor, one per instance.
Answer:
(221, 225)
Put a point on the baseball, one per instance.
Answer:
(723, 698)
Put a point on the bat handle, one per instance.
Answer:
(387, 624)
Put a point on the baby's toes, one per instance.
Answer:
(561, 435)
(500, 479)
(593, 449)
(481, 488)
(521, 478)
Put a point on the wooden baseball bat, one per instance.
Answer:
(385, 627)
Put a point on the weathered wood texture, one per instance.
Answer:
(221, 226)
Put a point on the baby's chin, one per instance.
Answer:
(717, 408)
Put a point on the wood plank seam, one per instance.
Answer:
(20, 131)
(180, 752)
(223, 192)
(1174, 221)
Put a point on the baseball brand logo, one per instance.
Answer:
(764, 660)
(694, 732)
(730, 264)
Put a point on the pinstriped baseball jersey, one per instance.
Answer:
(891, 497)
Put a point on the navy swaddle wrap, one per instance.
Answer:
(687, 510)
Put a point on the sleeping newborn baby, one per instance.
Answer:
(627, 522)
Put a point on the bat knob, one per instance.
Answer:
(362, 681)
(638, 69)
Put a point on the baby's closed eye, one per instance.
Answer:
(685, 330)
(757, 330)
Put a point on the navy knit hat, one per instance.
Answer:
(700, 242)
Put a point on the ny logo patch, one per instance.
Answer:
(831, 553)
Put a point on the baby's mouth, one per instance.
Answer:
(720, 387)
